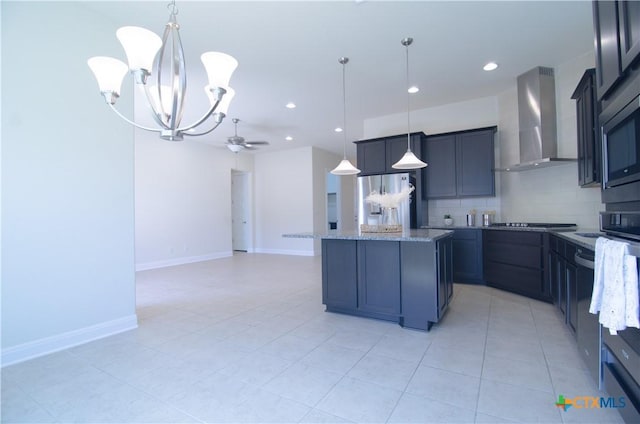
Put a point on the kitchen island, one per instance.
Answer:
(401, 277)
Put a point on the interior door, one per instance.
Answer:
(240, 211)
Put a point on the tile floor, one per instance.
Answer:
(246, 339)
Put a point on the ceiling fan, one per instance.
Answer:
(236, 143)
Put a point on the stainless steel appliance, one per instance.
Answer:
(537, 121)
(371, 214)
(534, 225)
(589, 329)
(621, 352)
(621, 154)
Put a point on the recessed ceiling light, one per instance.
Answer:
(288, 138)
(338, 129)
(413, 89)
(490, 66)
(290, 105)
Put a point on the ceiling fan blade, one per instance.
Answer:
(257, 143)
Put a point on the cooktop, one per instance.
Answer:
(532, 224)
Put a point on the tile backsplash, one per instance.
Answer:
(459, 208)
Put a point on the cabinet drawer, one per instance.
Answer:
(618, 385)
(514, 237)
(513, 254)
(625, 355)
(464, 234)
(513, 278)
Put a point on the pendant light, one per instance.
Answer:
(344, 167)
(409, 160)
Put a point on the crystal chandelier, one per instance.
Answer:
(149, 55)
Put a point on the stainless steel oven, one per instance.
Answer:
(621, 352)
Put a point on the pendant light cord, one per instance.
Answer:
(173, 9)
(344, 107)
(408, 102)
(343, 61)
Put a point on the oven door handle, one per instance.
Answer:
(582, 261)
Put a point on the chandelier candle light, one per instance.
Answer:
(344, 167)
(409, 160)
(148, 55)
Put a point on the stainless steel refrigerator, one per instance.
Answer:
(371, 214)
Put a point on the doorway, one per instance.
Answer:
(333, 202)
(241, 211)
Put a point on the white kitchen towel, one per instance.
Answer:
(615, 286)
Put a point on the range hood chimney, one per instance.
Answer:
(537, 121)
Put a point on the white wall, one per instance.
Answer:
(550, 194)
(284, 201)
(290, 197)
(324, 162)
(183, 200)
(476, 113)
(67, 175)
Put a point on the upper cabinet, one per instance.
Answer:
(589, 148)
(460, 164)
(372, 157)
(617, 42)
(378, 155)
(629, 24)
(607, 45)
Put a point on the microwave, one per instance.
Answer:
(621, 155)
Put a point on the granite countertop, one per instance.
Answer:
(533, 229)
(423, 235)
(584, 237)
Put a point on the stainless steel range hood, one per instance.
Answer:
(537, 121)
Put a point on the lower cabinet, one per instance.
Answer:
(516, 253)
(379, 277)
(339, 273)
(467, 256)
(409, 282)
(564, 279)
(572, 275)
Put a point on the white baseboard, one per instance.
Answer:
(181, 261)
(285, 252)
(47, 345)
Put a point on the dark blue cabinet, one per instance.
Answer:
(629, 21)
(339, 273)
(372, 157)
(408, 282)
(379, 277)
(589, 144)
(377, 156)
(617, 44)
(461, 164)
(607, 45)
(467, 256)
(445, 274)
(516, 253)
(564, 279)
(440, 175)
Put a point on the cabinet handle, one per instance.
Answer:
(625, 354)
(583, 261)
